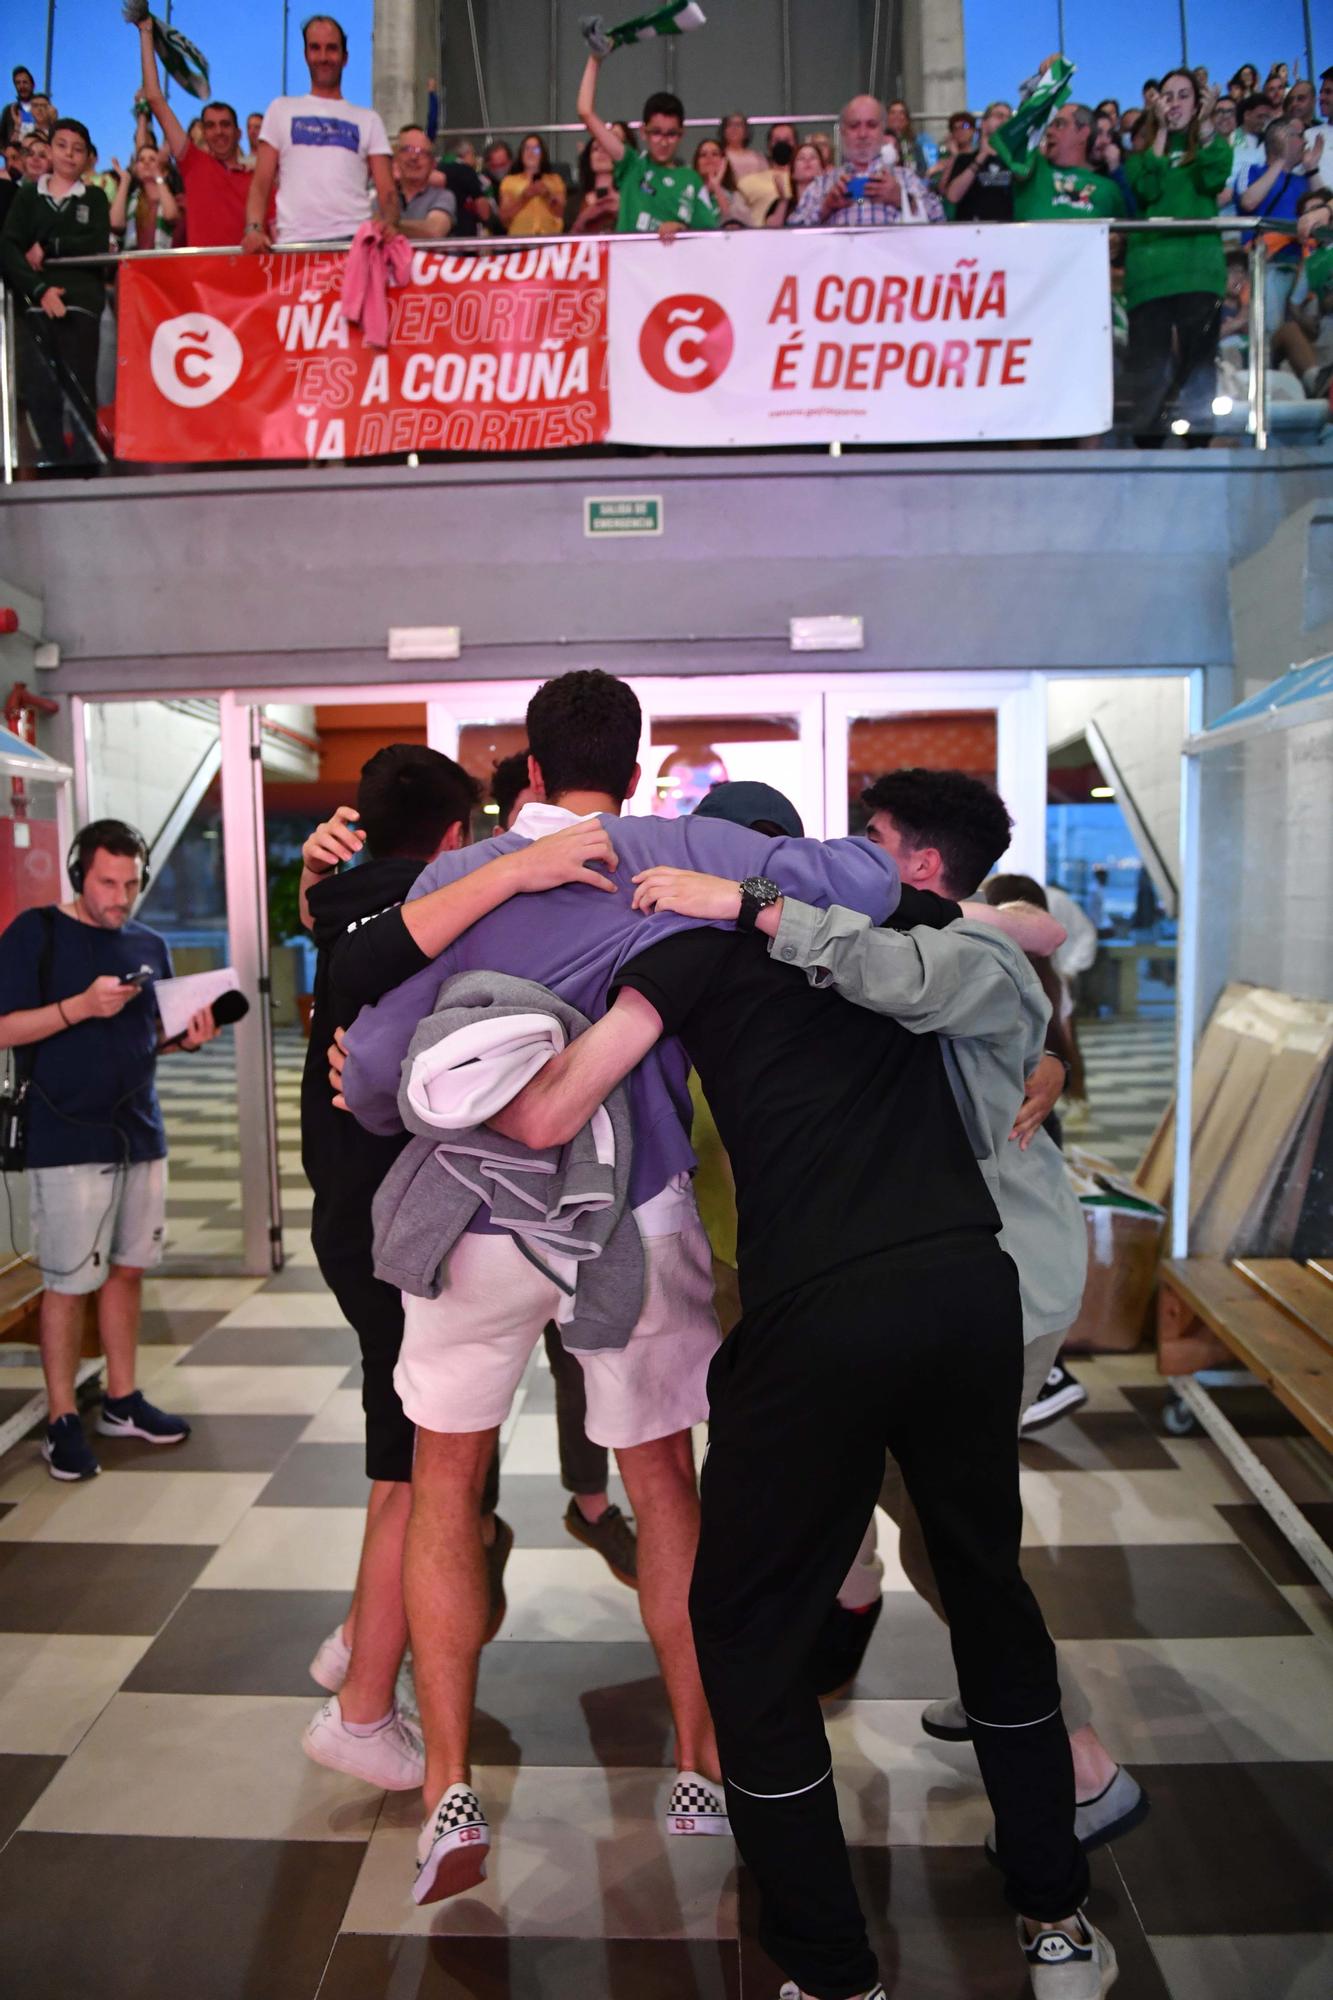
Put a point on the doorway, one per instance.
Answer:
(262, 766)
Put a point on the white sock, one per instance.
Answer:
(864, 1581)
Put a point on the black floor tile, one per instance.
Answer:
(175, 1326)
(908, 1657)
(1169, 1591)
(319, 1475)
(22, 1782)
(1253, 1411)
(1096, 1441)
(211, 1919)
(13, 1400)
(1267, 1543)
(215, 1444)
(294, 1277)
(112, 1587)
(410, 1968)
(942, 1931)
(240, 1642)
(580, 1703)
(1233, 1847)
(331, 1346)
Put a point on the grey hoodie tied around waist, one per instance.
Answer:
(562, 1202)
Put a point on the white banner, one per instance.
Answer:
(933, 335)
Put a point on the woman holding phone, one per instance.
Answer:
(532, 198)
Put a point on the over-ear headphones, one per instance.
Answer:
(116, 834)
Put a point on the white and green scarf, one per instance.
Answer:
(678, 17)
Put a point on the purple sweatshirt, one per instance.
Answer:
(575, 940)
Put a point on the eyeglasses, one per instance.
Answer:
(415, 152)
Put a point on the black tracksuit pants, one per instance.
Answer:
(918, 1350)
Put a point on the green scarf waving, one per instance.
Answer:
(182, 61)
(678, 17)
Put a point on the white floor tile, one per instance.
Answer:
(290, 1548)
(196, 1508)
(53, 1686)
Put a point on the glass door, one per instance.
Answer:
(992, 726)
(700, 732)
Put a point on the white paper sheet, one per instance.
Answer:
(178, 999)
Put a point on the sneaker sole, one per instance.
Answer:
(449, 1870)
(326, 1680)
(334, 1759)
(693, 1824)
(56, 1473)
(107, 1430)
(943, 1734)
(1125, 1824)
(1038, 1415)
(587, 1542)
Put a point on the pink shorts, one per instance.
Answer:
(464, 1354)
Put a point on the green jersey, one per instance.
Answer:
(651, 195)
(1042, 192)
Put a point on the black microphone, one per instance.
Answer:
(228, 1007)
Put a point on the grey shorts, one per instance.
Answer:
(88, 1217)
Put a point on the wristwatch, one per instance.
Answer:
(757, 893)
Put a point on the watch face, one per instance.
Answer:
(760, 890)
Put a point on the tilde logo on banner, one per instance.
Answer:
(686, 342)
(194, 359)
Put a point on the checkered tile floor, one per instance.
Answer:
(162, 1832)
(1131, 1074)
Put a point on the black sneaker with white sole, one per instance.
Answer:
(66, 1450)
(1060, 1393)
(133, 1416)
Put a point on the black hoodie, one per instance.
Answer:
(343, 1163)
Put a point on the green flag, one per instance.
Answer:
(678, 17)
(183, 62)
(1038, 101)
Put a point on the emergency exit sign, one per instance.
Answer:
(617, 515)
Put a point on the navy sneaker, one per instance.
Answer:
(133, 1416)
(66, 1450)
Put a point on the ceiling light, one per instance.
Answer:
(1222, 406)
(490, 809)
(1179, 427)
(1102, 792)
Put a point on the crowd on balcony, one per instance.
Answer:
(1190, 148)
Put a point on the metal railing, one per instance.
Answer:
(1258, 413)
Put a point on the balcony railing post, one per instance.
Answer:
(8, 404)
(1258, 385)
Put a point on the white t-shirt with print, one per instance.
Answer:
(323, 146)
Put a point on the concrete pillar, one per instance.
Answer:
(935, 76)
(406, 53)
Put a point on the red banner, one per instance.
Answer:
(251, 358)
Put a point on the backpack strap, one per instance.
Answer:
(26, 1057)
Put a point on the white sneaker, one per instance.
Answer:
(696, 1805)
(329, 1667)
(1077, 1964)
(452, 1847)
(392, 1760)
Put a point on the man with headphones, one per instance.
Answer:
(76, 998)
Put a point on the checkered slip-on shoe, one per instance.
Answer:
(1077, 1964)
(696, 1805)
(452, 1847)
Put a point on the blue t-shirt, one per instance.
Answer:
(1280, 201)
(92, 1095)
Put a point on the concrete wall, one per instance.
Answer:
(1006, 559)
(767, 57)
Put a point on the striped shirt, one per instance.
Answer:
(865, 214)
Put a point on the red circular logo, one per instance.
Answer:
(686, 342)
